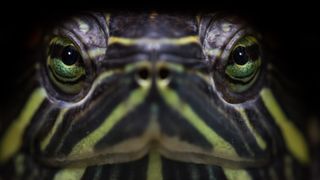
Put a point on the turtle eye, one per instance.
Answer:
(243, 64)
(65, 64)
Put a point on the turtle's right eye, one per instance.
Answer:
(244, 64)
(66, 67)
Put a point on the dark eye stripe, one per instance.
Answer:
(68, 54)
(253, 51)
(55, 50)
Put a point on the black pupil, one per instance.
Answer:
(240, 55)
(69, 55)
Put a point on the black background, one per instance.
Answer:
(292, 29)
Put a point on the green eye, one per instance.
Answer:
(244, 64)
(66, 68)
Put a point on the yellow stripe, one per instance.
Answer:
(69, 174)
(292, 136)
(237, 174)
(154, 171)
(221, 147)
(86, 144)
(161, 41)
(12, 139)
(262, 144)
(47, 139)
(102, 77)
(96, 52)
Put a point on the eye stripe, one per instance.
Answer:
(55, 49)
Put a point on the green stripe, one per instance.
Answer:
(262, 144)
(154, 171)
(45, 142)
(12, 139)
(69, 174)
(293, 137)
(221, 148)
(86, 145)
(152, 41)
(237, 174)
(96, 52)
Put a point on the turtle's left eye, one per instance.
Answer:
(66, 66)
(243, 64)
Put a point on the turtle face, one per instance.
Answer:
(113, 88)
(125, 84)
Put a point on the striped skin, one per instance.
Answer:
(155, 107)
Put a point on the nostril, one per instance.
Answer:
(164, 73)
(143, 73)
